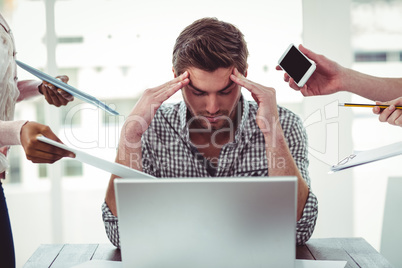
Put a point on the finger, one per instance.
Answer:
(50, 148)
(278, 68)
(53, 99)
(174, 81)
(239, 79)
(168, 89)
(60, 99)
(393, 117)
(172, 89)
(286, 77)
(304, 91)
(386, 113)
(45, 93)
(48, 151)
(65, 95)
(63, 78)
(49, 85)
(293, 84)
(398, 121)
(45, 153)
(303, 49)
(376, 110)
(57, 99)
(307, 52)
(41, 161)
(43, 157)
(59, 92)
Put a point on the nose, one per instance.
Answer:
(212, 104)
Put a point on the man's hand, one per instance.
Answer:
(54, 95)
(275, 144)
(144, 110)
(37, 151)
(325, 80)
(391, 115)
(267, 114)
(136, 124)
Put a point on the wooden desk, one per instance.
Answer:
(356, 251)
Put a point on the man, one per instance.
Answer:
(330, 77)
(214, 132)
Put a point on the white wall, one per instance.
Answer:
(326, 30)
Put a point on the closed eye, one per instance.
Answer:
(227, 90)
(198, 93)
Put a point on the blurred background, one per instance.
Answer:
(114, 50)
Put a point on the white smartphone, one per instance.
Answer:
(296, 65)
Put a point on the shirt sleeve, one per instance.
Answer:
(298, 145)
(10, 132)
(111, 225)
(28, 89)
(149, 162)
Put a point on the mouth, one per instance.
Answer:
(214, 119)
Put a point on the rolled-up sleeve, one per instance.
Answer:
(305, 226)
(297, 140)
(111, 225)
(10, 132)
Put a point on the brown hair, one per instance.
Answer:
(209, 44)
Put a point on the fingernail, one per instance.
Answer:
(71, 155)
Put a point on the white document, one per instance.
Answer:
(111, 167)
(319, 264)
(364, 157)
(100, 264)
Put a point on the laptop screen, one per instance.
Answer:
(207, 222)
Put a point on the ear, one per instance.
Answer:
(245, 74)
(174, 72)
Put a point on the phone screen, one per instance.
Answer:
(295, 64)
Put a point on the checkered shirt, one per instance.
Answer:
(168, 152)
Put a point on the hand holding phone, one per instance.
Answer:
(296, 65)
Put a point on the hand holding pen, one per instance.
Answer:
(392, 114)
(389, 111)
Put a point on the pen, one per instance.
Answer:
(366, 105)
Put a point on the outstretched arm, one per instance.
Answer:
(330, 77)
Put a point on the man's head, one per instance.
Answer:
(209, 50)
(208, 44)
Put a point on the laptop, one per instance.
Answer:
(207, 222)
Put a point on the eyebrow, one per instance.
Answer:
(199, 90)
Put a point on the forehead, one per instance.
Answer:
(210, 81)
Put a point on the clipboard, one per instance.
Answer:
(70, 89)
(111, 167)
(365, 157)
